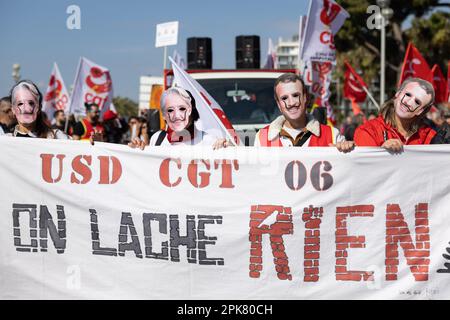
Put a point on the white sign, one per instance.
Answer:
(166, 34)
(111, 222)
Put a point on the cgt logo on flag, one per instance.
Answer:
(329, 12)
(93, 84)
(56, 97)
(415, 65)
(99, 80)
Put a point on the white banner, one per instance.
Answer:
(111, 222)
(56, 97)
(166, 34)
(325, 18)
(93, 84)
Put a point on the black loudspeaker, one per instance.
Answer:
(320, 114)
(153, 121)
(199, 53)
(248, 53)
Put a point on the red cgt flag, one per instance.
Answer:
(414, 65)
(448, 81)
(439, 84)
(354, 88)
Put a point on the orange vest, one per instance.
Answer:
(88, 129)
(325, 138)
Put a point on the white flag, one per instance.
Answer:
(325, 18)
(179, 59)
(271, 60)
(212, 118)
(93, 84)
(56, 97)
(301, 36)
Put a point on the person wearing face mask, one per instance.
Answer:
(401, 119)
(27, 107)
(295, 127)
(179, 112)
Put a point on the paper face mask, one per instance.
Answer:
(177, 113)
(411, 101)
(26, 107)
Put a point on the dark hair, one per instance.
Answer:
(42, 129)
(89, 106)
(132, 117)
(286, 78)
(195, 114)
(6, 99)
(57, 112)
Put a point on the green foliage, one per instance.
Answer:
(125, 106)
(361, 46)
(432, 38)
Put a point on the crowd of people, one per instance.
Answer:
(409, 118)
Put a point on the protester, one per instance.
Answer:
(441, 125)
(143, 132)
(59, 119)
(349, 132)
(114, 127)
(89, 128)
(27, 107)
(180, 113)
(401, 119)
(296, 128)
(132, 130)
(7, 118)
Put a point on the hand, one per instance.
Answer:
(221, 143)
(344, 146)
(393, 145)
(96, 136)
(137, 143)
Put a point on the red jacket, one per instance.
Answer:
(375, 132)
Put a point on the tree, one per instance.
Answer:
(125, 106)
(359, 44)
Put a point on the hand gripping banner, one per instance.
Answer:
(110, 222)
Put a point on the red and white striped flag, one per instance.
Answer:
(56, 97)
(212, 118)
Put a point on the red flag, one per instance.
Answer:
(448, 81)
(414, 65)
(354, 88)
(354, 85)
(439, 84)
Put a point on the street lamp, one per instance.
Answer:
(16, 72)
(385, 15)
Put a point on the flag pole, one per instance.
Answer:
(165, 58)
(175, 66)
(371, 98)
(71, 95)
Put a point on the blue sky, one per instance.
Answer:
(120, 35)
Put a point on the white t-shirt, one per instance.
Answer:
(201, 138)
